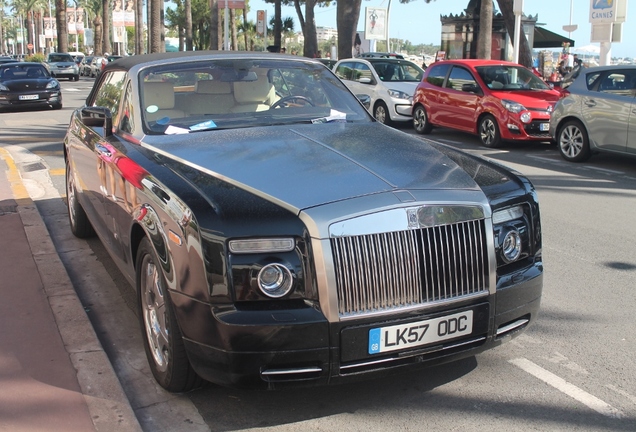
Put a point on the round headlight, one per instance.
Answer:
(275, 280)
(511, 246)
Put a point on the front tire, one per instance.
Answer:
(162, 337)
(420, 121)
(489, 134)
(80, 225)
(381, 113)
(573, 142)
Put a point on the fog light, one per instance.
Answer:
(275, 280)
(511, 246)
(525, 117)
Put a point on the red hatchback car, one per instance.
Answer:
(497, 100)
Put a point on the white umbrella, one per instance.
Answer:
(587, 49)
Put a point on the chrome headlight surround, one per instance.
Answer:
(275, 280)
(511, 229)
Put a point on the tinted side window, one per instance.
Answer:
(127, 123)
(437, 74)
(362, 71)
(460, 79)
(620, 82)
(109, 92)
(345, 71)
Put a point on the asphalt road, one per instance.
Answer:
(573, 370)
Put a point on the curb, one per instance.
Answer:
(107, 403)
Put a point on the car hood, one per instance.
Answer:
(27, 84)
(303, 166)
(530, 98)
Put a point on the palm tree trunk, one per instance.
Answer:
(139, 27)
(214, 24)
(311, 39)
(247, 47)
(99, 35)
(347, 14)
(156, 26)
(484, 40)
(106, 47)
(62, 29)
(233, 29)
(278, 23)
(188, 25)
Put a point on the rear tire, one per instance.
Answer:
(489, 132)
(573, 142)
(162, 337)
(80, 225)
(420, 121)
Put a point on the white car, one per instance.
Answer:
(390, 83)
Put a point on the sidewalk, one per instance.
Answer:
(54, 373)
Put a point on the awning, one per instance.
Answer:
(546, 39)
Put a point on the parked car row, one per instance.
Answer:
(501, 101)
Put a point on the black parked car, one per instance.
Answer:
(25, 84)
(276, 234)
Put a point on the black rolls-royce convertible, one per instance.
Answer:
(277, 235)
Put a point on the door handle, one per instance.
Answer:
(590, 103)
(102, 150)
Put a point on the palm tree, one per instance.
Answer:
(106, 48)
(24, 8)
(155, 26)
(94, 9)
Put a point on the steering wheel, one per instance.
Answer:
(286, 99)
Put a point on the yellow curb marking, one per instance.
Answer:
(13, 175)
(57, 171)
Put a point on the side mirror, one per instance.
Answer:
(95, 116)
(471, 88)
(365, 100)
(365, 80)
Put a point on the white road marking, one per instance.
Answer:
(608, 171)
(565, 387)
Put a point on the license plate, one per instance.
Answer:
(544, 127)
(28, 97)
(398, 337)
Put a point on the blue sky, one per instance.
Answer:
(419, 22)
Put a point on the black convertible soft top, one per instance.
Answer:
(128, 62)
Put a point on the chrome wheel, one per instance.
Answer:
(78, 221)
(154, 314)
(163, 341)
(573, 142)
(489, 132)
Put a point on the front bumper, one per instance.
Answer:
(299, 347)
(536, 130)
(43, 98)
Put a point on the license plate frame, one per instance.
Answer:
(420, 333)
(28, 97)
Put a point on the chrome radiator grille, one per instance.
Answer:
(382, 272)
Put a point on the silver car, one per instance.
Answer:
(63, 65)
(595, 113)
(389, 82)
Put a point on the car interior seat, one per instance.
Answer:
(159, 100)
(211, 97)
(252, 96)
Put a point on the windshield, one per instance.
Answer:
(511, 78)
(398, 71)
(237, 93)
(55, 58)
(23, 71)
